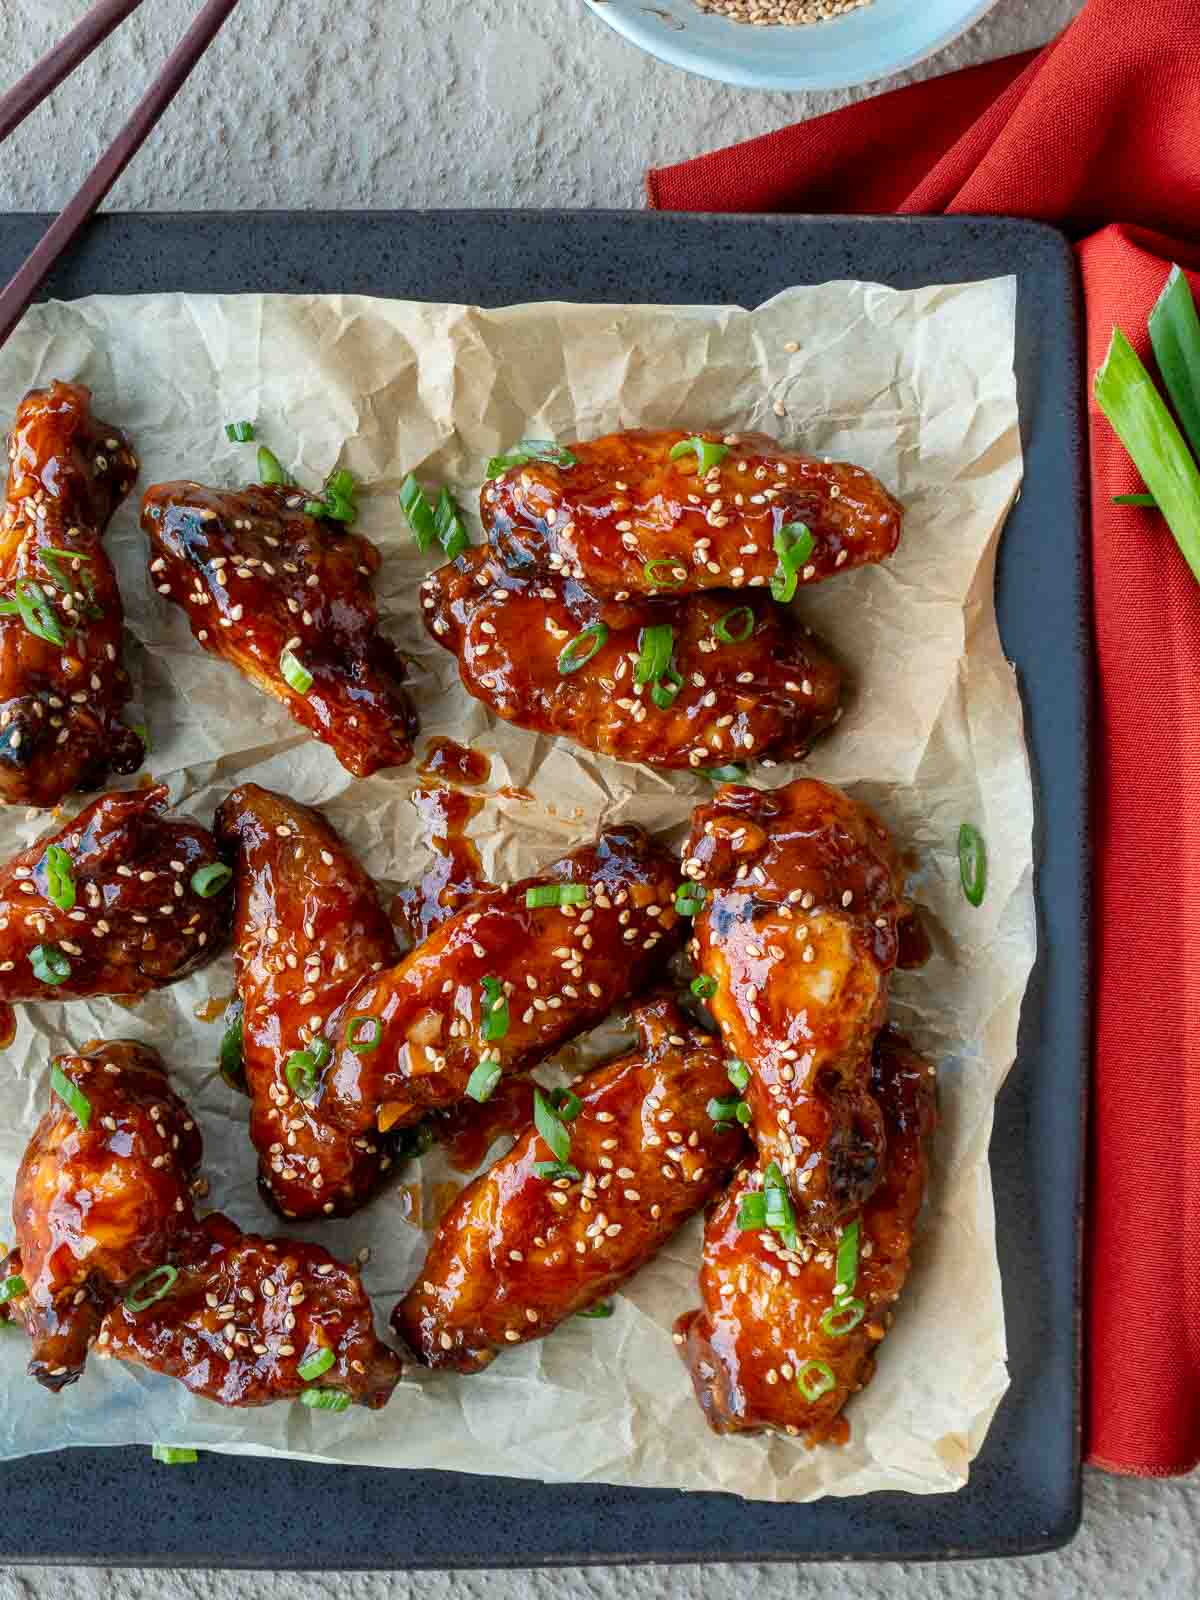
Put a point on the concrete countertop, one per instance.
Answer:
(343, 103)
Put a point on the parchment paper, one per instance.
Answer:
(916, 386)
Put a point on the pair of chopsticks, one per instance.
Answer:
(42, 79)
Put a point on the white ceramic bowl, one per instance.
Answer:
(872, 42)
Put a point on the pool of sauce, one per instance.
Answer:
(212, 1009)
(467, 1133)
(915, 947)
(455, 763)
(455, 873)
(8, 1025)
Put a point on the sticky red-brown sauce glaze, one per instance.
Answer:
(467, 1133)
(454, 874)
(454, 763)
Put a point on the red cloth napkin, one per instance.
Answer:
(1100, 134)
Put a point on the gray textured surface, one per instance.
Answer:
(490, 102)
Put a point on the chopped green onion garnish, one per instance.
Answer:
(481, 1085)
(60, 877)
(363, 1043)
(744, 1114)
(842, 1317)
(847, 1262)
(731, 773)
(730, 631)
(675, 571)
(495, 1009)
(972, 863)
(704, 987)
(232, 1058)
(577, 652)
(303, 1067)
(313, 1366)
(172, 1455)
(296, 675)
(239, 432)
(13, 1288)
(655, 654)
(1134, 500)
(1127, 396)
(793, 546)
(337, 497)
(689, 899)
(738, 1073)
(815, 1378)
(555, 1169)
(419, 513)
(325, 1399)
(781, 1218)
(71, 1095)
(49, 964)
(708, 454)
(1175, 336)
(210, 880)
(450, 527)
(551, 1126)
(752, 1210)
(663, 692)
(567, 1104)
(527, 450)
(138, 1299)
(556, 894)
(270, 468)
(723, 1110)
(602, 1308)
(38, 615)
(50, 559)
(315, 508)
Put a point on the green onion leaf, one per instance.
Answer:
(1135, 500)
(793, 546)
(49, 963)
(210, 880)
(723, 1110)
(726, 631)
(325, 1400)
(315, 508)
(173, 1455)
(752, 1210)
(576, 652)
(555, 1169)
(1127, 396)
(567, 1104)
(690, 898)
(744, 1114)
(815, 1378)
(419, 513)
(738, 1073)
(1175, 337)
(71, 1095)
(704, 987)
(550, 1126)
(60, 877)
(362, 1043)
(847, 1262)
(270, 468)
(232, 1057)
(137, 1299)
(527, 450)
(731, 773)
(663, 693)
(556, 894)
(708, 454)
(449, 526)
(655, 654)
(302, 1069)
(602, 1308)
(36, 612)
(781, 1218)
(481, 1085)
(50, 559)
(972, 863)
(838, 1321)
(313, 1366)
(239, 432)
(13, 1288)
(495, 1009)
(675, 571)
(296, 675)
(337, 497)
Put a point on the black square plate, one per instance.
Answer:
(115, 1506)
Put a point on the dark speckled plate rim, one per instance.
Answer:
(115, 1506)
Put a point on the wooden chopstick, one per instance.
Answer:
(54, 66)
(21, 288)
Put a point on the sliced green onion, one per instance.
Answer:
(38, 615)
(655, 653)
(325, 1400)
(815, 1378)
(781, 1218)
(567, 1104)
(555, 1169)
(551, 1126)
(793, 546)
(527, 450)
(744, 1114)
(296, 675)
(363, 1043)
(449, 526)
(838, 1321)
(481, 1085)
(575, 654)
(174, 1455)
(724, 628)
(50, 559)
(972, 863)
(752, 1210)
(738, 1073)
(270, 468)
(49, 964)
(690, 898)
(232, 1057)
(1135, 500)
(556, 894)
(847, 1262)
(337, 497)
(495, 1009)
(315, 508)
(302, 1068)
(419, 513)
(313, 1366)
(239, 432)
(13, 1288)
(704, 987)
(137, 1300)
(664, 692)
(1175, 337)
(675, 570)
(722, 1110)
(708, 454)
(210, 880)
(602, 1308)
(60, 877)
(1127, 396)
(731, 773)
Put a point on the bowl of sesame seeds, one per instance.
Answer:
(791, 44)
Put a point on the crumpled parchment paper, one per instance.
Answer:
(918, 386)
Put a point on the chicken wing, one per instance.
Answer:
(286, 598)
(786, 1334)
(119, 901)
(62, 683)
(102, 1195)
(503, 982)
(625, 518)
(520, 1249)
(308, 927)
(734, 681)
(797, 941)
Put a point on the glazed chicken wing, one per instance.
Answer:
(119, 901)
(737, 682)
(62, 683)
(784, 1339)
(286, 598)
(308, 927)
(627, 519)
(520, 1250)
(503, 982)
(798, 935)
(101, 1197)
